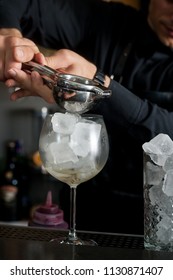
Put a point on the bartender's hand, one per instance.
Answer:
(14, 49)
(64, 60)
(72, 63)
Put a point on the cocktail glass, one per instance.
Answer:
(73, 148)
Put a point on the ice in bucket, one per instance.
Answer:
(158, 193)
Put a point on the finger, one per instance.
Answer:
(39, 57)
(31, 85)
(12, 42)
(25, 93)
(19, 94)
(11, 83)
(60, 59)
(24, 53)
(21, 78)
(16, 56)
(40, 88)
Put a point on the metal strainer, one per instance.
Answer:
(72, 93)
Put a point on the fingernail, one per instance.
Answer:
(19, 53)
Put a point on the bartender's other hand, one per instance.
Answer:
(14, 49)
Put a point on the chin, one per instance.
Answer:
(167, 42)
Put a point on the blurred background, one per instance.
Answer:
(21, 119)
(21, 122)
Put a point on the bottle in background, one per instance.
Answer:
(14, 204)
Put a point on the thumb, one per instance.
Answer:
(17, 55)
(24, 53)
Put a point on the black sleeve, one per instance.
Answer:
(154, 73)
(53, 24)
(140, 118)
(11, 13)
(84, 26)
(63, 12)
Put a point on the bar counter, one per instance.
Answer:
(29, 243)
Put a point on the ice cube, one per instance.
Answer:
(154, 174)
(155, 194)
(164, 232)
(88, 133)
(64, 123)
(73, 106)
(168, 163)
(168, 183)
(61, 152)
(159, 148)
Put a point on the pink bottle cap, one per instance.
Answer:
(49, 214)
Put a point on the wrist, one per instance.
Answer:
(101, 78)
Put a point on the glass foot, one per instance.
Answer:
(76, 241)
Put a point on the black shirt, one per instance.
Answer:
(100, 31)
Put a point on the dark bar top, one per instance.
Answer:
(29, 243)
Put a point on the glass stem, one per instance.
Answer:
(72, 231)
